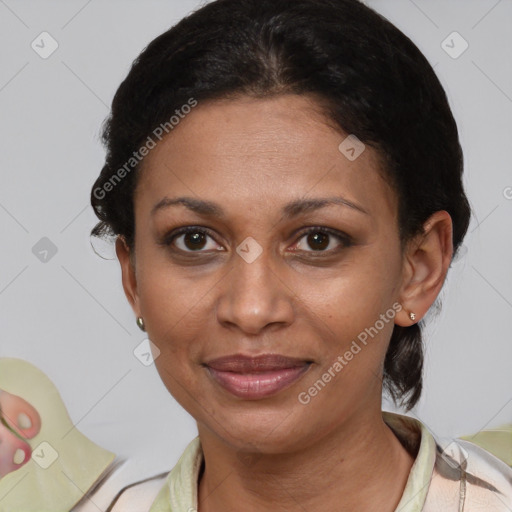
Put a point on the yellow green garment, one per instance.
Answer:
(453, 475)
(498, 441)
(64, 462)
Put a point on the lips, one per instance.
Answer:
(247, 364)
(256, 377)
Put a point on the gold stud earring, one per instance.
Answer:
(412, 316)
(140, 323)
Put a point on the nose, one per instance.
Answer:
(254, 297)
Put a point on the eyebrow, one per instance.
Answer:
(292, 209)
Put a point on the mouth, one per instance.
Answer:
(258, 377)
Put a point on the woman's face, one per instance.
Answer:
(266, 269)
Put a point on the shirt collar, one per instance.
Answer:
(416, 439)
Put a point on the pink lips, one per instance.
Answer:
(256, 377)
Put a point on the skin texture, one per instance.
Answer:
(21, 417)
(252, 157)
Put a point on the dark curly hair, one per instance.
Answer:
(369, 78)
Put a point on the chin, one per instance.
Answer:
(261, 429)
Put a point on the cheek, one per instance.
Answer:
(351, 325)
(356, 314)
(171, 300)
(357, 293)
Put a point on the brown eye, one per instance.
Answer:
(192, 239)
(322, 240)
(318, 241)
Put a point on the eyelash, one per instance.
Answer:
(346, 240)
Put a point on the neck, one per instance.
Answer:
(361, 466)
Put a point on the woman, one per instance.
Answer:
(284, 183)
(291, 221)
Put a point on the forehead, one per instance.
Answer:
(259, 151)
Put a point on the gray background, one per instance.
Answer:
(68, 315)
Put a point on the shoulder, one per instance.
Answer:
(472, 477)
(455, 474)
(139, 495)
(176, 490)
(488, 476)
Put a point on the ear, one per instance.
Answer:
(426, 261)
(127, 262)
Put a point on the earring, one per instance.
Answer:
(412, 316)
(140, 323)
